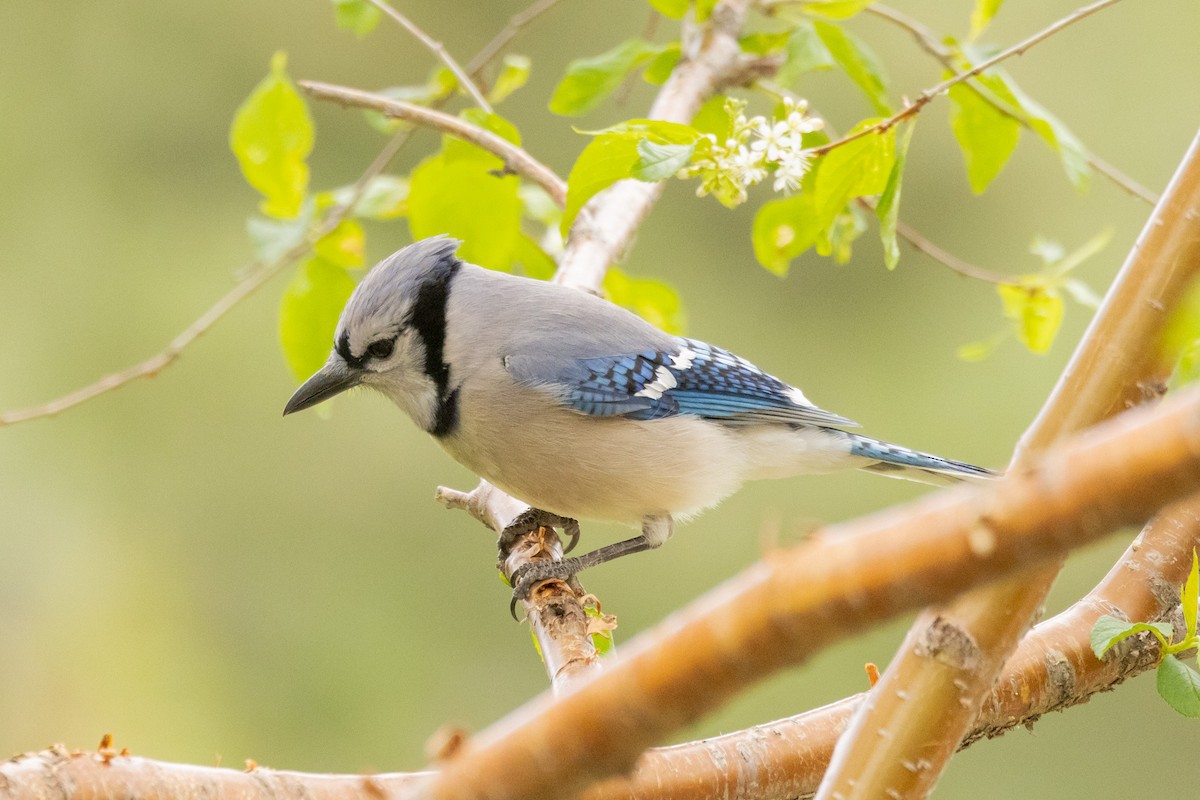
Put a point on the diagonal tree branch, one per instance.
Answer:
(933, 689)
(1052, 668)
(785, 608)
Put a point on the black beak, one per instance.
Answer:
(333, 378)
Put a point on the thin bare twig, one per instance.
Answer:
(439, 50)
(926, 96)
(930, 43)
(515, 24)
(517, 159)
(257, 273)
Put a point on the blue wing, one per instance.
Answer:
(694, 378)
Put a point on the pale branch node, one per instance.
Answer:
(798, 600)
(440, 51)
(779, 612)
(926, 96)
(517, 159)
(926, 705)
(1053, 668)
(932, 44)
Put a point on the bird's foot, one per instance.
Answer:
(529, 575)
(529, 521)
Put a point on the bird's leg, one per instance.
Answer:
(655, 531)
(529, 521)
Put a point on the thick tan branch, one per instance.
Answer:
(928, 699)
(1052, 668)
(797, 601)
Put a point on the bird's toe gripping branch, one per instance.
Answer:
(525, 577)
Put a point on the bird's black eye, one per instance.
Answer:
(382, 348)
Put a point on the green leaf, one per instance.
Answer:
(462, 199)
(308, 314)
(271, 136)
(271, 238)
(765, 43)
(538, 205)
(1190, 597)
(805, 53)
(662, 65)
(385, 197)
(343, 246)
(514, 73)
(982, 15)
(856, 169)
(858, 62)
(973, 352)
(589, 80)
(1071, 152)
(835, 9)
(1179, 685)
(712, 117)
(358, 16)
(655, 301)
(673, 9)
(837, 239)
(607, 159)
(783, 229)
(612, 155)
(658, 162)
(1109, 630)
(888, 207)
(986, 137)
(1181, 338)
(533, 260)
(1036, 311)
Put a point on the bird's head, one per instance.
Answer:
(392, 332)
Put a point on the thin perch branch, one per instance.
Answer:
(439, 50)
(517, 159)
(926, 96)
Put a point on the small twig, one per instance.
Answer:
(926, 96)
(930, 43)
(439, 50)
(255, 276)
(515, 24)
(516, 158)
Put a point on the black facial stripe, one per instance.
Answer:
(343, 350)
(445, 418)
(428, 319)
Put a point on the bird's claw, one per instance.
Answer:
(529, 521)
(529, 575)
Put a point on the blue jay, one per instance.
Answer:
(578, 407)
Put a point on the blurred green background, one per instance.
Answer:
(182, 567)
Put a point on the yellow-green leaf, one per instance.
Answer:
(589, 80)
(835, 9)
(607, 159)
(982, 15)
(455, 149)
(357, 16)
(856, 169)
(343, 246)
(986, 137)
(463, 199)
(385, 197)
(661, 66)
(1179, 685)
(514, 73)
(308, 314)
(888, 208)
(859, 63)
(783, 229)
(1035, 310)
(658, 162)
(1190, 597)
(271, 136)
(673, 9)
(655, 301)
(805, 53)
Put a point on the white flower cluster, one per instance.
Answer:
(756, 147)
